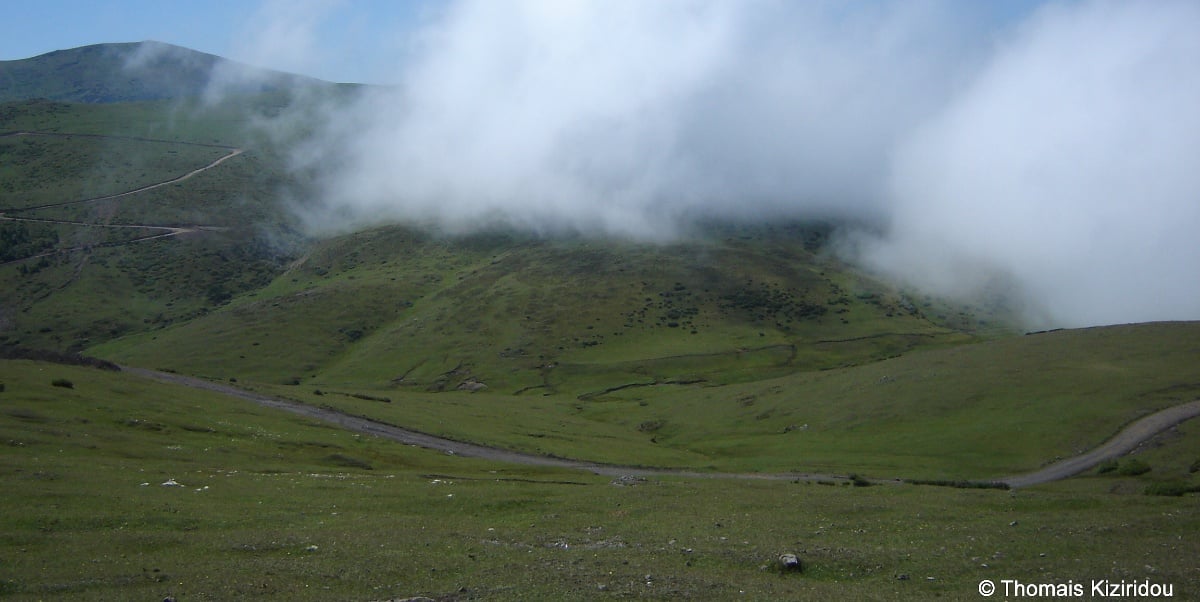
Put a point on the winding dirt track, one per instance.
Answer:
(1123, 442)
(459, 448)
(233, 152)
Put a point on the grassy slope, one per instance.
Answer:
(966, 412)
(394, 307)
(101, 73)
(74, 299)
(261, 487)
(84, 167)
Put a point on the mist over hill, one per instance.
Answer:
(1049, 156)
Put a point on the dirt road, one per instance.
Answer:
(1122, 443)
(164, 231)
(459, 448)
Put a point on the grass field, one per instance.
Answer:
(1002, 407)
(274, 507)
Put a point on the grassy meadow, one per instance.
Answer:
(270, 506)
(978, 411)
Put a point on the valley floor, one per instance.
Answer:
(1122, 443)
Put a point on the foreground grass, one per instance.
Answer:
(275, 507)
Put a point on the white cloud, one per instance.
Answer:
(1070, 163)
(623, 117)
(1058, 152)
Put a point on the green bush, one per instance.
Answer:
(1133, 467)
(347, 462)
(859, 481)
(1171, 488)
(961, 484)
(366, 397)
(1106, 467)
(62, 382)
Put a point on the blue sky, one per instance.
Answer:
(336, 40)
(330, 39)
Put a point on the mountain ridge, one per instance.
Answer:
(136, 71)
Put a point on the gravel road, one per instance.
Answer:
(1122, 443)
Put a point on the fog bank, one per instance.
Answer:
(1056, 150)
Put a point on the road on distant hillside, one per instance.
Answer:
(164, 231)
(1124, 441)
(233, 152)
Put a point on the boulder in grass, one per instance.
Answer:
(790, 563)
(472, 386)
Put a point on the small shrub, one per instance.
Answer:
(62, 382)
(650, 426)
(28, 415)
(961, 484)
(1133, 467)
(859, 481)
(347, 461)
(1, 387)
(366, 397)
(1106, 467)
(1171, 488)
(1195, 467)
(192, 428)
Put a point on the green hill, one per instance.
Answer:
(395, 307)
(130, 72)
(248, 297)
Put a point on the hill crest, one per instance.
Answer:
(135, 71)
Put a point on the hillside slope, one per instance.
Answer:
(72, 269)
(976, 411)
(395, 307)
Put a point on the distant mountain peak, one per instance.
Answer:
(134, 71)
